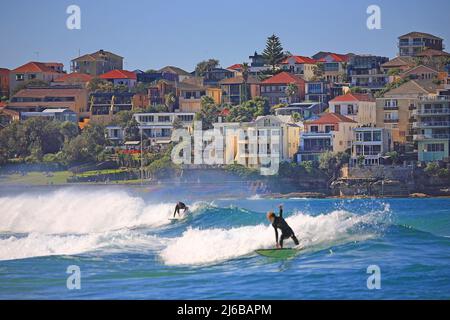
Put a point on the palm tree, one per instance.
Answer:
(291, 91)
(170, 100)
(245, 74)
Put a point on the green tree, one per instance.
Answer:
(69, 130)
(170, 100)
(291, 91)
(209, 112)
(132, 131)
(205, 66)
(100, 85)
(273, 53)
(177, 123)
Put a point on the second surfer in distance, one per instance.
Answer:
(180, 206)
(278, 222)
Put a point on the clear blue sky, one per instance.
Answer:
(155, 33)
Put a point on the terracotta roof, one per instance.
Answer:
(419, 69)
(283, 78)
(95, 55)
(74, 77)
(237, 66)
(48, 91)
(36, 67)
(420, 34)
(239, 80)
(176, 70)
(335, 57)
(414, 87)
(331, 118)
(398, 62)
(2, 104)
(433, 53)
(299, 60)
(118, 74)
(353, 97)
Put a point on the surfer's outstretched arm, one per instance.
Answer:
(281, 211)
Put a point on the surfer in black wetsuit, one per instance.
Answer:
(178, 207)
(278, 222)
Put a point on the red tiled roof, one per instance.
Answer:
(432, 53)
(236, 66)
(331, 118)
(225, 112)
(336, 57)
(74, 77)
(2, 104)
(119, 74)
(353, 97)
(299, 60)
(36, 67)
(282, 78)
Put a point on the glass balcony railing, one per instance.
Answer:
(438, 111)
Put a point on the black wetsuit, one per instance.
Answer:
(286, 231)
(178, 207)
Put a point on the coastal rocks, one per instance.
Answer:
(291, 195)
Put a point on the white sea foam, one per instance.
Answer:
(71, 221)
(196, 246)
(80, 212)
(38, 244)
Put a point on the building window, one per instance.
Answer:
(434, 147)
(20, 77)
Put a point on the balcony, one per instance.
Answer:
(431, 124)
(390, 107)
(427, 112)
(434, 98)
(440, 136)
(390, 120)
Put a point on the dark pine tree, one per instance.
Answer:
(273, 53)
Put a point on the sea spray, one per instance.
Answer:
(80, 212)
(197, 246)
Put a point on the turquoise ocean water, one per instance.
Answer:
(126, 247)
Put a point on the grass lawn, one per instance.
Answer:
(36, 178)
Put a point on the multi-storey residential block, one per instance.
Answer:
(365, 71)
(236, 90)
(274, 88)
(156, 127)
(369, 144)
(331, 132)
(394, 112)
(299, 65)
(411, 44)
(358, 107)
(432, 127)
(97, 63)
(267, 140)
(44, 71)
(74, 97)
(104, 105)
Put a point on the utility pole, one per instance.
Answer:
(142, 163)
